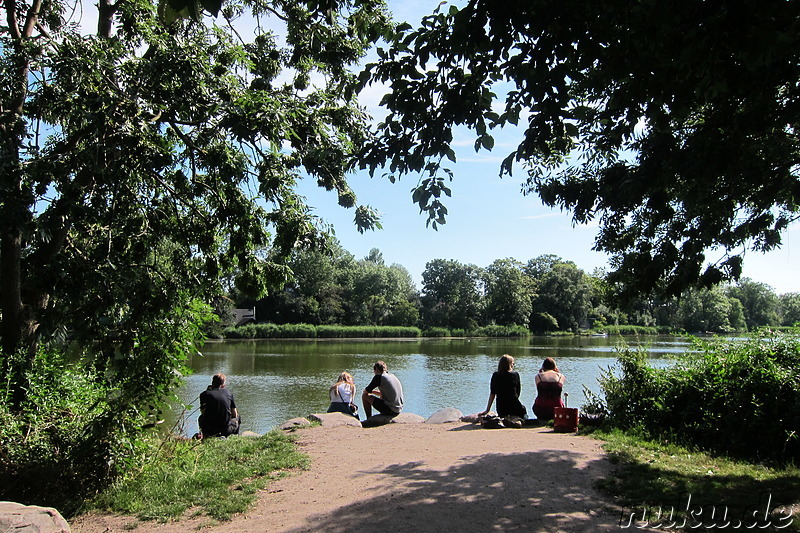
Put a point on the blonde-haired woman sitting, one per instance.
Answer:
(342, 393)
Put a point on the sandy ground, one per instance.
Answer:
(422, 478)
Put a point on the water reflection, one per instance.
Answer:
(280, 379)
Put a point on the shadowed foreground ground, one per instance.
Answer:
(422, 478)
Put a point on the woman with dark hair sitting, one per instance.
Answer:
(549, 384)
(505, 387)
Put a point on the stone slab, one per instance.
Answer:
(330, 420)
(444, 416)
(295, 423)
(31, 519)
(402, 418)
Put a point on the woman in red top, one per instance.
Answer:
(549, 384)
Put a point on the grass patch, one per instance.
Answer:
(652, 480)
(216, 477)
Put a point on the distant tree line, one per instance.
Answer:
(544, 294)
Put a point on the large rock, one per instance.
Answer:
(331, 420)
(443, 416)
(402, 418)
(18, 518)
(295, 423)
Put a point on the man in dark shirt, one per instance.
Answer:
(388, 400)
(219, 417)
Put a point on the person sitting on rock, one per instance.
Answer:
(549, 384)
(342, 394)
(505, 387)
(388, 399)
(219, 417)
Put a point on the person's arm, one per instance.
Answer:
(203, 403)
(488, 405)
(376, 381)
(234, 411)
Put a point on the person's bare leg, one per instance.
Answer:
(366, 401)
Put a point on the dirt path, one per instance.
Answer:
(422, 478)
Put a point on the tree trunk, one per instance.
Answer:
(15, 328)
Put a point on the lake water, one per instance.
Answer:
(275, 380)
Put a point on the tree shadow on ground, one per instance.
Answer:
(535, 491)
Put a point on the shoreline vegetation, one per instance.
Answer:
(310, 331)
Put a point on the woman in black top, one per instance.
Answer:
(505, 386)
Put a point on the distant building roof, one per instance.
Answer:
(244, 316)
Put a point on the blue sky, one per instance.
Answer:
(489, 218)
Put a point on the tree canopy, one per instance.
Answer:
(672, 124)
(142, 162)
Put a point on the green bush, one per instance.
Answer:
(63, 445)
(297, 331)
(740, 398)
(87, 410)
(263, 331)
(436, 332)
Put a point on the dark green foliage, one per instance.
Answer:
(332, 287)
(543, 322)
(735, 397)
(760, 304)
(484, 331)
(508, 293)
(143, 168)
(85, 411)
(790, 309)
(672, 124)
(451, 295)
(66, 434)
(564, 293)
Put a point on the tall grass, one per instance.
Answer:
(214, 477)
(309, 331)
(635, 330)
